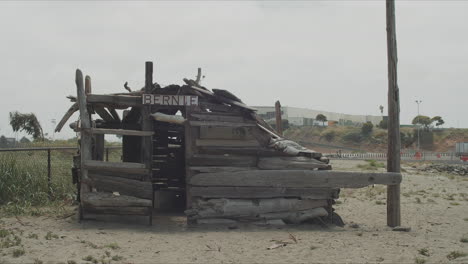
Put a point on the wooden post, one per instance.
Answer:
(394, 144)
(279, 124)
(86, 140)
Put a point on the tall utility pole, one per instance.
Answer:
(394, 144)
(419, 144)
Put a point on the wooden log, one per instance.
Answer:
(394, 142)
(226, 143)
(147, 122)
(98, 149)
(205, 169)
(123, 186)
(296, 217)
(221, 124)
(225, 160)
(237, 208)
(121, 167)
(115, 100)
(143, 211)
(125, 132)
(249, 151)
(173, 119)
(101, 199)
(264, 192)
(67, 116)
(114, 114)
(115, 173)
(290, 163)
(102, 112)
(295, 178)
(86, 140)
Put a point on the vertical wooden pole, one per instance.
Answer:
(147, 125)
(279, 123)
(394, 144)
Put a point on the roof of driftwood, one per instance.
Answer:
(214, 100)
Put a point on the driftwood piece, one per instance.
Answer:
(295, 178)
(115, 100)
(292, 148)
(119, 167)
(224, 160)
(226, 143)
(221, 124)
(206, 169)
(296, 217)
(101, 199)
(173, 119)
(125, 132)
(102, 112)
(114, 114)
(264, 192)
(290, 163)
(67, 116)
(238, 208)
(123, 186)
(143, 211)
(86, 140)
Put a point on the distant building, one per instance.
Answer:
(306, 117)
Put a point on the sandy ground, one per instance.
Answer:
(434, 206)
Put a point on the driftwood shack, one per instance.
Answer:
(205, 146)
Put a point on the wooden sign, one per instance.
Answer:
(158, 99)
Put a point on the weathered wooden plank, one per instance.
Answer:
(264, 192)
(225, 160)
(123, 186)
(218, 107)
(205, 169)
(121, 167)
(221, 124)
(244, 133)
(290, 163)
(124, 132)
(295, 178)
(147, 121)
(101, 199)
(143, 211)
(249, 151)
(226, 143)
(121, 174)
(236, 208)
(115, 100)
(221, 118)
(98, 149)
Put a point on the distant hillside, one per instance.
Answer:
(351, 139)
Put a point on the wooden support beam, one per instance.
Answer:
(394, 143)
(140, 189)
(295, 179)
(279, 124)
(114, 114)
(226, 143)
(147, 121)
(142, 211)
(221, 124)
(102, 112)
(124, 132)
(264, 192)
(290, 163)
(86, 140)
(115, 100)
(222, 160)
(102, 199)
(67, 116)
(122, 167)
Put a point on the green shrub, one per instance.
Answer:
(366, 128)
(353, 136)
(328, 134)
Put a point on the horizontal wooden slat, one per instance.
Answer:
(123, 186)
(115, 100)
(250, 151)
(122, 167)
(221, 124)
(98, 199)
(226, 143)
(205, 169)
(124, 132)
(263, 192)
(295, 178)
(223, 160)
(239, 133)
(143, 211)
(290, 163)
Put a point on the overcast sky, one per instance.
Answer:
(328, 55)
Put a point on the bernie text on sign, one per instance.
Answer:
(158, 99)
